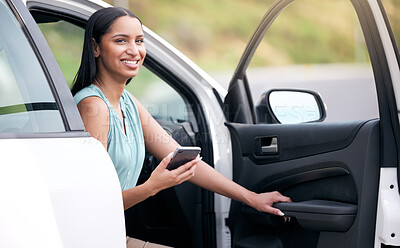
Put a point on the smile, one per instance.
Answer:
(134, 62)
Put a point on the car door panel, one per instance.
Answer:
(294, 141)
(329, 170)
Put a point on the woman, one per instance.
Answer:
(113, 53)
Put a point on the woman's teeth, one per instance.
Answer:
(130, 62)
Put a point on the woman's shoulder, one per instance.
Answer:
(90, 99)
(93, 105)
(89, 91)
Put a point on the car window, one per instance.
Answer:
(160, 99)
(66, 42)
(27, 104)
(319, 46)
(392, 8)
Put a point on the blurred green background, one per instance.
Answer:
(214, 33)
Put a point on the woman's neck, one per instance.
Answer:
(111, 90)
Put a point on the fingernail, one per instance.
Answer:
(198, 159)
(281, 214)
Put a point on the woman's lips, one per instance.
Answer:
(130, 63)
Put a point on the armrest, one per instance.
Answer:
(321, 215)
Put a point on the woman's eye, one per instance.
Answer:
(139, 41)
(120, 41)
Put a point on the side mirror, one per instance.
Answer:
(289, 106)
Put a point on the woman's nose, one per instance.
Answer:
(132, 49)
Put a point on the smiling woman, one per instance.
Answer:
(113, 53)
(119, 40)
(120, 54)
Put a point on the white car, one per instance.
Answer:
(58, 187)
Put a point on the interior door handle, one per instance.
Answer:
(271, 148)
(266, 145)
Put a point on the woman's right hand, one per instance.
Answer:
(162, 178)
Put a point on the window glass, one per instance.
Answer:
(160, 99)
(319, 46)
(392, 8)
(26, 101)
(66, 43)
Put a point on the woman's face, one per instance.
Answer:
(121, 51)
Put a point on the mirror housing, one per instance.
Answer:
(290, 106)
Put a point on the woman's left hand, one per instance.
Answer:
(263, 202)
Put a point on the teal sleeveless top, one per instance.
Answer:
(127, 151)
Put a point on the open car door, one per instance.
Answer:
(334, 157)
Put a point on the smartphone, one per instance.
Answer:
(182, 155)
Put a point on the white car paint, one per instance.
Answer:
(388, 216)
(60, 187)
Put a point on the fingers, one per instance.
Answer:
(275, 211)
(187, 166)
(280, 213)
(186, 171)
(168, 178)
(266, 201)
(188, 174)
(164, 163)
(282, 198)
(278, 197)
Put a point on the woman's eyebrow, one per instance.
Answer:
(125, 35)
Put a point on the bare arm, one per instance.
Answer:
(159, 143)
(208, 178)
(96, 117)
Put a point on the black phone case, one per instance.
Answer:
(181, 158)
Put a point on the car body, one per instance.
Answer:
(61, 190)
